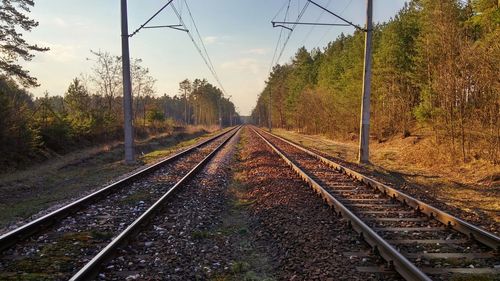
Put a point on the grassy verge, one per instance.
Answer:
(249, 264)
(27, 192)
(472, 187)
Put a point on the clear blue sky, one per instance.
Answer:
(237, 33)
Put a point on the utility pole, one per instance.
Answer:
(185, 107)
(364, 130)
(364, 135)
(127, 84)
(231, 112)
(127, 89)
(220, 113)
(270, 108)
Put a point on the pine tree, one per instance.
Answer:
(12, 44)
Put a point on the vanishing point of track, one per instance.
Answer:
(86, 232)
(417, 240)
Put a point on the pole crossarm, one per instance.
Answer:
(172, 26)
(337, 16)
(151, 18)
(281, 23)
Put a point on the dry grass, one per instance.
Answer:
(27, 192)
(417, 162)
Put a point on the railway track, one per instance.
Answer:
(72, 242)
(419, 241)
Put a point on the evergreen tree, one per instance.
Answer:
(12, 44)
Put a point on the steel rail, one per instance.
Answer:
(472, 231)
(400, 263)
(11, 238)
(92, 267)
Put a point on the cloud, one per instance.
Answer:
(256, 51)
(68, 23)
(210, 39)
(57, 21)
(58, 53)
(244, 65)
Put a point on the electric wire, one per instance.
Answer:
(207, 60)
(151, 18)
(293, 28)
(280, 36)
(330, 28)
(317, 20)
(202, 51)
(281, 9)
(199, 36)
(216, 76)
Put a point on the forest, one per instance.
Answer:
(436, 68)
(90, 111)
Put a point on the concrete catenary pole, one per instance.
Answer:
(270, 108)
(220, 112)
(230, 112)
(127, 88)
(185, 107)
(364, 136)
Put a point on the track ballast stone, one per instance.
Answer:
(183, 242)
(303, 236)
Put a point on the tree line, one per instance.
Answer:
(90, 111)
(436, 68)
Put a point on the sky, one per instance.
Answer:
(238, 36)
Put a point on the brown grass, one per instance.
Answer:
(61, 179)
(419, 162)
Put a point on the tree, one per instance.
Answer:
(185, 89)
(301, 76)
(12, 44)
(395, 91)
(155, 117)
(79, 111)
(19, 139)
(142, 89)
(107, 77)
(435, 70)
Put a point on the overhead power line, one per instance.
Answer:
(203, 50)
(364, 136)
(202, 43)
(329, 29)
(151, 18)
(281, 34)
(337, 16)
(281, 9)
(293, 28)
(300, 14)
(317, 20)
(279, 23)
